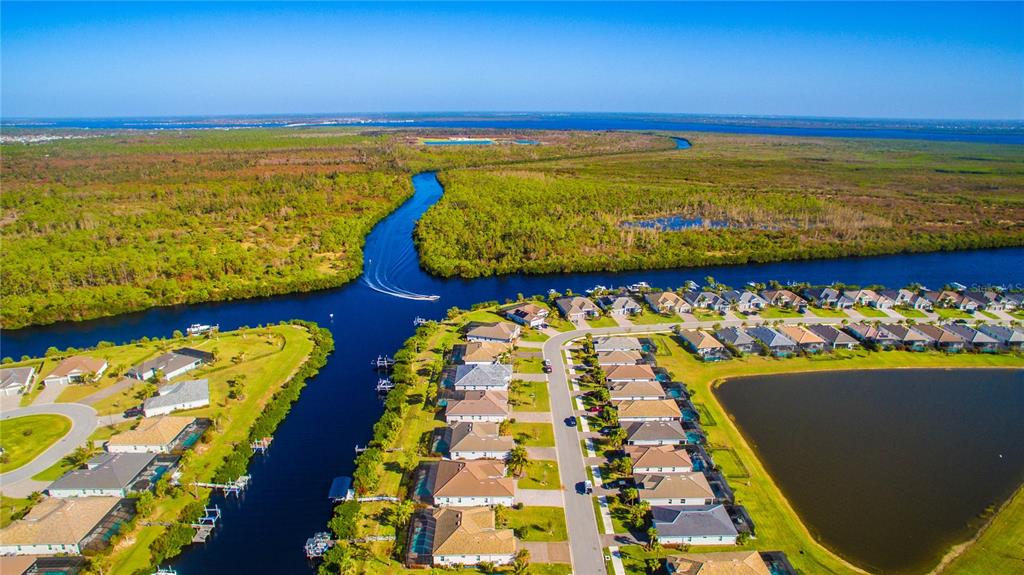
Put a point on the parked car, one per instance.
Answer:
(547, 366)
(588, 487)
(133, 411)
(570, 421)
(594, 409)
(581, 487)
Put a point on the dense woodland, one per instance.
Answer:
(783, 198)
(123, 222)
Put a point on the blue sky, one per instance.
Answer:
(914, 60)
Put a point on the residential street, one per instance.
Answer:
(83, 423)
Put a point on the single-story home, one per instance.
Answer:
(468, 537)
(106, 475)
(153, 435)
(607, 358)
(480, 377)
(470, 483)
(737, 338)
(867, 297)
(16, 380)
(477, 440)
(706, 300)
(667, 302)
(659, 459)
(806, 340)
(778, 344)
(700, 525)
(975, 299)
(833, 338)
(171, 364)
(878, 335)
(920, 303)
(899, 297)
(703, 344)
(479, 352)
(978, 340)
(725, 563)
(636, 391)
(744, 301)
(624, 373)
(190, 394)
(944, 340)
(910, 338)
(689, 488)
(617, 343)
(648, 410)
(619, 305)
(951, 299)
(655, 433)
(488, 406)
(823, 297)
(1008, 337)
(76, 369)
(498, 332)
(56, 525)
(783, 298)
(577, 308)
(528, 314)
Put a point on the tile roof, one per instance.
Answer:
(617, 343)
(79, 364)
(477, 436)
(160, 430)
(477, 478)
(658, 456)
(800, 335)
(502, 330)
(469, 531)
(618, 356)
(490, 375)
(477, 351)
(648, 408)
(57, 521)
(832, 335)
(727, 563)
(626, 389)
(479, 402)
(654, 430)
(630, 372)
(938, 334)
(734, 336)
(16, 376)
(690, 485)
(700, 339)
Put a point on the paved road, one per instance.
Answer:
(83, 423)
(585, 542)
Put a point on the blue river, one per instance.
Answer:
(264, 531)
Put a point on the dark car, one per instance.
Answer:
(546, 366)
(133, 412)
(584, 487)
(570, 421)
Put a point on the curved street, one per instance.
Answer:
(83, 423)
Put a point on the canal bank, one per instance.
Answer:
(287, 500)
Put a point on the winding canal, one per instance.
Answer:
(287, 501)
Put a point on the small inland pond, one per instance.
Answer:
(889, 468)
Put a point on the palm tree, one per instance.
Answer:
(521, 565)
(630, 494)
(517, 460)
(81, 455)
(402, 513)
(652, 539)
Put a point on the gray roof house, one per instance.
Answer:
(944, 339)
(171, 364)
(619, 305)
(1010, 338)
(878, 335)
(745, 301)
(191, 394)
(480, 376)
(737, 338)
(777, 342)
(976, 339)
(617, 343)
(108, 474)
(655, 433)
(16, 380)
(693, 525)
(706, 300)
(824, 297)
(834, 338)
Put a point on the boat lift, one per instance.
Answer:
(383, 362)
(261, 445)
(235, 487)
(318, 544)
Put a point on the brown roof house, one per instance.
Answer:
(152, 435)
(475, 406)
(659, 459)
(636, 390)
(667, 302)
(944, 340)
(469, 440)
(528, 314)
(576, 308)
(498, 332)
(690, 488)
(56, 525)
(470, 483)
(783, 298)
(468, 537)
(728, 563)
(479, 352)
(624, 373)
(619, 357)
(648, 410)
(808, 341)
(76, 370)
(703, 344)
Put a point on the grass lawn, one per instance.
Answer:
(1019, 314)
(730, 463)
(987, 314)
(549, 569)
(530, 396)
(528, 365)
(537, 523)
(533, 434)
(823, 312)
(707, 315)
(481, 315)
(948, 313)
(540, 474)
(104, 433)
(530, 334)
(661, 342)
(53, 472)
(1000, 546)
(620, 515)
(868, 311)
(778, 526)
(603, 321)
(24, 438)
(909, 312)
(778, 313)
(651, 318)
(559, 323)
(10, 507)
